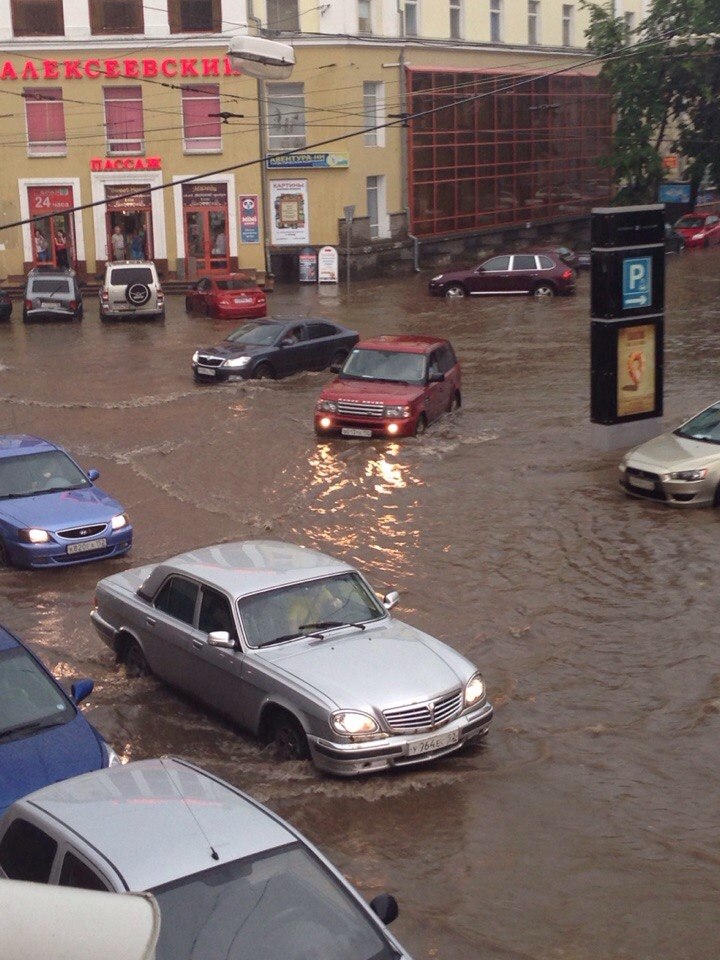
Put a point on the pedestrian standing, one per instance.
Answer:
(61, 248)
(117, 239)
(42, 254)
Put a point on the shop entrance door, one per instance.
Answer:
(206, 233)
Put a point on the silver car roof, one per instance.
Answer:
(158, 820)
(247, 567)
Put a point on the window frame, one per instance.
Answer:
(413, 5)
(373, 112)
(34, 98)
(496, 21)
(279, 141)
(39, 29)
(568, 24)
(282, 19)
(190, 93)
(175, 8)
(365, 19)
(455, 9)
(97, 20)
(117, 146)
(534, 23)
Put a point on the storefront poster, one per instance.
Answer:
(289, 199)
(307, 264)
(327, 265)
(204, 194)
(49, 199)
(316, 161)
(636, 370)
(249, 219)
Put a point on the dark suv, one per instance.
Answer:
(52, 293)
(539, 273)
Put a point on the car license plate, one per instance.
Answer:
(641, 483)
(87, 545)
(243, 300)
(429, 745)
(355, 432)
(51, 305)
(207, 371)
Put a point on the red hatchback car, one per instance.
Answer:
(699, 229)
(390, 386)
(232, 296)
(538, 272)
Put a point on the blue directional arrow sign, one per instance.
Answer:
(636, 282)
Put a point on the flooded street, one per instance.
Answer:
(586, 826)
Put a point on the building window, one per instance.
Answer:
(629, 22)
(45, 118)
(32, 18)
(194, 16)
(410, 25)
(201, 123)
(534, 22)
(568, 24)
(124, 131)
(116, 16)
(282, 15)
(373, 113)
(377, 214)
(364, 16)
(496, 20)
(285, 116)
(455, 19)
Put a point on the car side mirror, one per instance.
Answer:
(81, 690)
(93, 474)
(385, 907)
(221, 638)
(436, 377)
(391, 599)
(336, 367)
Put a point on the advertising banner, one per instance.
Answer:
(327, 265)
(636, 370)
(209, 194)
(316, 161)
(249, 218)
(49, 199)
(307, 262)
(289, 219)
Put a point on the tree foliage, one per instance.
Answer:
(664, 80)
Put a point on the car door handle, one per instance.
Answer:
(151, 620)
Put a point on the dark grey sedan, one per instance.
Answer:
(274, 348)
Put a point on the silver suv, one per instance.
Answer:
(52, 293)
(131, 288)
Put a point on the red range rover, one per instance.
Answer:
(390, 386)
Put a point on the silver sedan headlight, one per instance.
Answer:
(688, 474)
(352, 723)
(474, 690)
(237, 362)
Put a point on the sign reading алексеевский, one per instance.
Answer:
(126, 68)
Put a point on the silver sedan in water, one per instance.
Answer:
(296, 647)
(680, 468)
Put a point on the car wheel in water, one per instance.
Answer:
(134, 659)
(455, 402)
(543, 291)
(4, 559)
(716, 502)
(455, 290)
(264, 372)
(421, 425)
(338, 358)
(289, 739)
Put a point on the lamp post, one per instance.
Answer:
(265, 60)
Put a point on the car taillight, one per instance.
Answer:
(104, 296)
(567, 275)
(160, 296)
(73, 305)
(28, 304)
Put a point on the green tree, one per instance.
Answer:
(664, 80)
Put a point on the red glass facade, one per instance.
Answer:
(507, 149)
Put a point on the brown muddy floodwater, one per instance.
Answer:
(586, 826)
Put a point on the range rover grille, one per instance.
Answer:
(360, 408)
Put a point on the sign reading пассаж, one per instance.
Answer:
(126, 68)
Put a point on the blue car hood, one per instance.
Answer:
(46, 757)
(67, 508)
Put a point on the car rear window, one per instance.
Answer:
(545, 262)
(237, 283)
(47, 285)
(121, 276)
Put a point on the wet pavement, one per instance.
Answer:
(586, 826)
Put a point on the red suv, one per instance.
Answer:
(390, 386)
(540, 273)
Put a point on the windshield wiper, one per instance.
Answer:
(30, 725)
(695, 436)
(327, 624)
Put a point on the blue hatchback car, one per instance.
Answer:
(43, 736)
(51, 513)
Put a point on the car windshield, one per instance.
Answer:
(393, 365)
(691, 222)
(120, 276)
(35, 473)
(705, 426)
(29, 700)
(257, 334)
(293, 611)
(234, 283)
(282, 905)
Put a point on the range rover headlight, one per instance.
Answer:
(33, 535)
(326, 406)
(237, 362)
(397, 412)
(474, 690)
(689, 474)
(352, 723)
(196, 356)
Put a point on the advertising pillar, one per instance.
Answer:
(627, 302)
